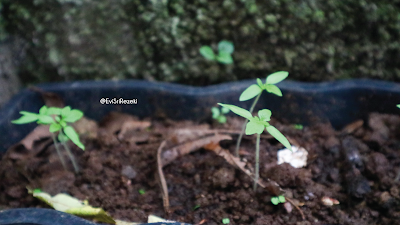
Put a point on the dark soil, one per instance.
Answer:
(358, 166)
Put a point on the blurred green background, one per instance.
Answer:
(64, 40)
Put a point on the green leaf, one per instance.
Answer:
(279, 136)
(62, 137)
(253, 127)
(215, 112)
(71, 134)
(73, 116)
(398, 106)
(240, 111)
(224, 58)
(226, 46)
(221, 119)
(207, 52)
(224, 110)
(259, 82)
(250, 92)
(226, 221)
(276, 77)
(43, 110)
(54, 127)
(265, 114)
(273, 89)
(53, 111)
(275, 200)
(281, 199)
(45, 119)
(26, 118)
(65, 111)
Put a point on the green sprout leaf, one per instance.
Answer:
(43, 110)
(221, 119)
(250, 92)
(279, 136)
(71, 134)
(276, 77)
(65, 111)
(26, 118)
(226, 221)
(281, 199)
(73, 116)
(215, 112)
(53, 111)
(398, 106)
(240, 111)
(45, 119)
(207, 52)
(226, 46)
(54, 127)
(224, 58)
(62, 137)
(273, 89)
(275, 200)
(196, 207)
(265, 114)
(142, 191)
(225, 110)
(253, 127)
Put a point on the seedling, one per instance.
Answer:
(256, 125)
(196, 207)
(278, 199)
(226, 221)
(218, 115)
(298, 126)
(58, 120)
(255, 90)
(225, 50)
(142, 191)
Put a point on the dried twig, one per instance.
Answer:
(162, 178)
(297, 207)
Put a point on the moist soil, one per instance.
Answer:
(357, 168)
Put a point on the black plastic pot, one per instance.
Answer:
(339, 103)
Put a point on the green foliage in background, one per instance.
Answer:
(160, 40)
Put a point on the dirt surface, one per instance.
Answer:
(358, 166)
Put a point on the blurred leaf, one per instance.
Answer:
(26, 118)
(276, 77)
(215, 112)
(279, 136)
(224, 58)
(253, 127)
(73, 116)
(265, 114)
(240, 111)
(54, 127)
(226, 46)
(71, 134)
(273, 89)
(250, 92)
(207, 52)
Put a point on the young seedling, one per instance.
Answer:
(218, 115)
(58, 120)
(255, 90)
(278, 199)
(225, 50)
(226, 221)
(256, 125)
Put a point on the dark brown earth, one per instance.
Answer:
(358, 166)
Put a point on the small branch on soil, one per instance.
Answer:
(164, 186)
(297, 207)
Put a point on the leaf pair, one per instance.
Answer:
(219, 115)
(256, 125)
(269, 86)
(225, 50)
(278, 199)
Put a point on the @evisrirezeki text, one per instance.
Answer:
(118, 101)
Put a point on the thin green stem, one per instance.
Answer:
(59, 152)
(71, 156)
(257, 169)
(244, 126)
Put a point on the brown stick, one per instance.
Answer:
(298, 208)
(164, 186)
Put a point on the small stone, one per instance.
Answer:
(129, 172)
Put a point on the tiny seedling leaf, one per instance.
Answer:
(281, 199)
(226, 46)
(226, 221)
(62, 137)
(71, 134)
(224, 110)
(221, 119)
(265, 114)
(65, 111)
(73, 116)
(53, 111)
(273, 89)
(279, 136)
(26, 118)
(250, 92)
(275, 200)
(215, 112)
(240, 111)
(253, 127)
(45, 119)
(54, 127)
(207, 52)
(398, 106)
(259, 82)
(276, 77)
(43, 110)
(224, 58)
